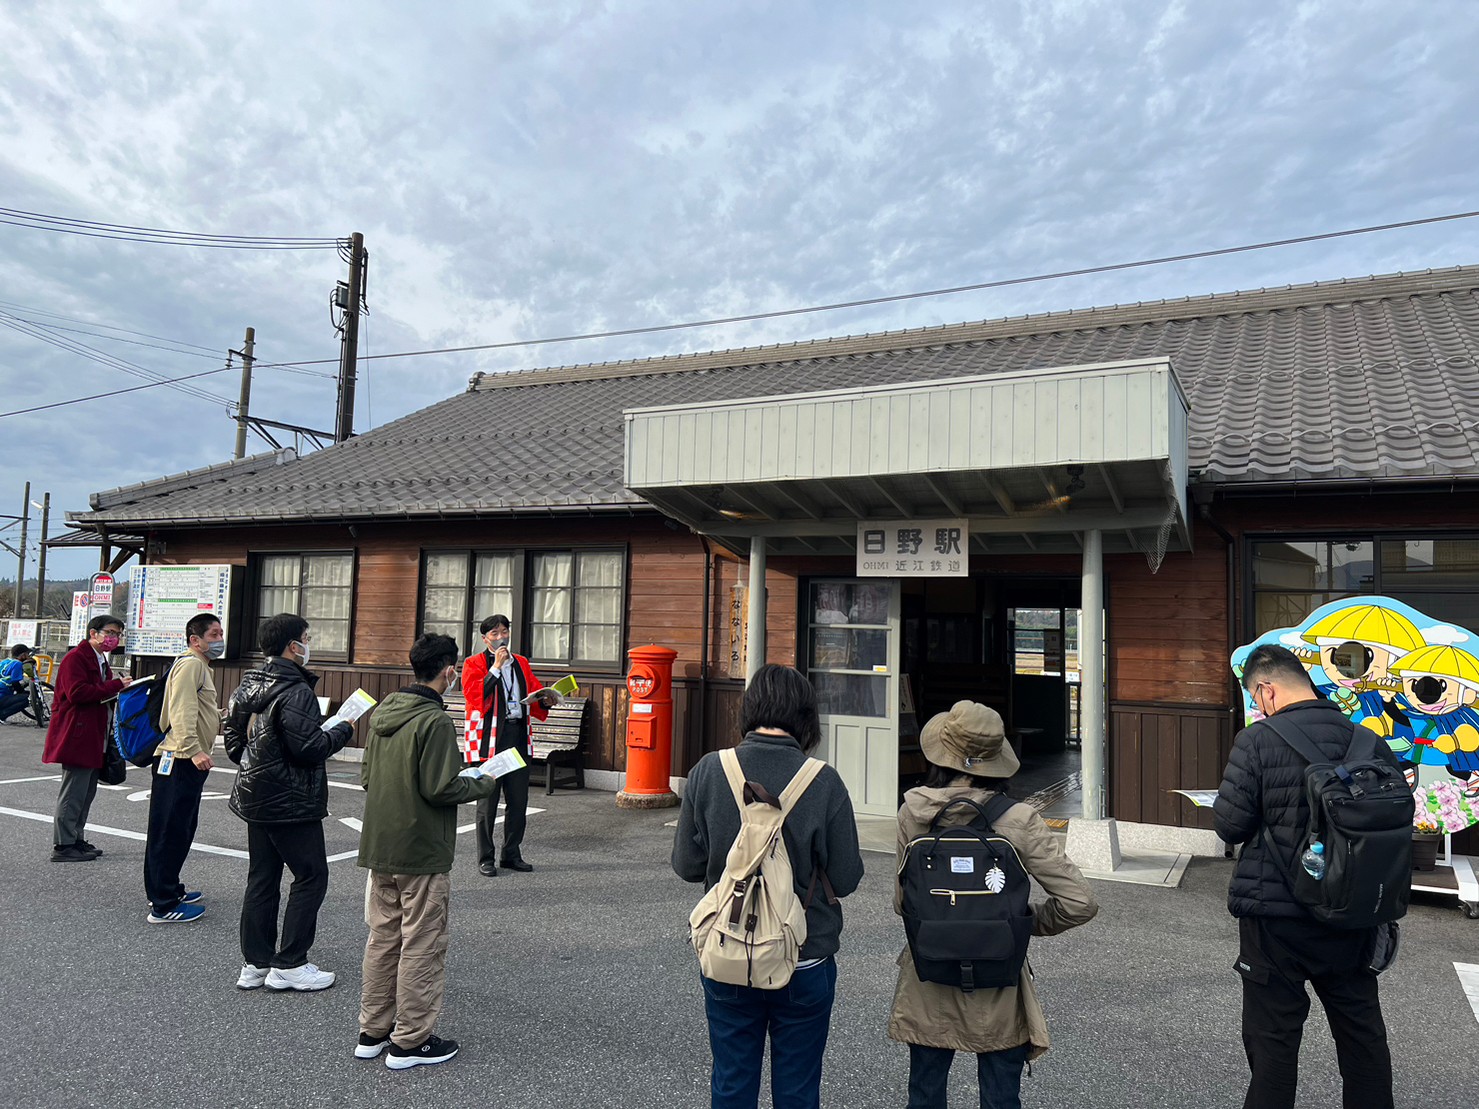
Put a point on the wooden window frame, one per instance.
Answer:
(254, 580)
(519, 614)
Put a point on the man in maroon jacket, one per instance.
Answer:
(78, 731)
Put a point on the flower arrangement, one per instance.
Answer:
(1442, 807)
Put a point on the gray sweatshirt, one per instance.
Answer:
(820, 831)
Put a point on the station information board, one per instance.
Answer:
(162, 599)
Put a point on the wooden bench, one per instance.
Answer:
(559, 741)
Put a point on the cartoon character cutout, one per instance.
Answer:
(1358, 646)
(1403, 675)
(1440, 692)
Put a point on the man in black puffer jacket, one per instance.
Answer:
(1262, 805)
(274, 732)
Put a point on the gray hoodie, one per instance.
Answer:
(820, 831)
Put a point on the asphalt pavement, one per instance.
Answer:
(573, 986)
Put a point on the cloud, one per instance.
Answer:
(1446, 634)
(559, 168)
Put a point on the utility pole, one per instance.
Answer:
(244, 402)
(20, 575)
(349, 349)
(41, 558)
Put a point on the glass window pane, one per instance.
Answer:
(446, 569)
(848, 649)
(271, 601)
(1429, 564)
(600, 568)
(494, 570)
(549, 641)
(489, 600)
(598, 606)
(444, 605)
(596, 644)
(840, 602)
(1287, 610)
(851, 694)
(1338, 565)
(330, 636)
(280, 570)
(325, 604)
(328, 569)
(552, 570)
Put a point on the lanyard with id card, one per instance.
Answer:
(166, 763)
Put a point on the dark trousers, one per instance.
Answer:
(998, 1073)
(174, 812)
(271, 846)
(1276, 957)
(796, 1018)
(515, 790)
(73, 803)
(12, 702)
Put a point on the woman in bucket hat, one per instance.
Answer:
(970, 759)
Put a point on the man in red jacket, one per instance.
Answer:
(77, 732)
(494, 685)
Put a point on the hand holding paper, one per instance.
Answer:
(355, 705)
(552, 695)
(505, 762)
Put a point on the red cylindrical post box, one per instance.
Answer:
(649, 730)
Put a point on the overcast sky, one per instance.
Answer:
(526, 170)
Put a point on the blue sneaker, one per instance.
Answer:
(180, 914)
(191, 898)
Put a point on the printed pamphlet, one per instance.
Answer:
(505, 762)
(355, 705)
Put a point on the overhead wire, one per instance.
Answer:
(113, 393)
(73, 346)
(895, 298)
(38, 221)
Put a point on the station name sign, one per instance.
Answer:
(913, 549)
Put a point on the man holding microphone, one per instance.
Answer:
(495, 683)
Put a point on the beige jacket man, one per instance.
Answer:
(190, 717)
(987, 1020)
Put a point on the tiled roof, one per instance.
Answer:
(1373, 378)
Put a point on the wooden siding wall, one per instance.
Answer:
(1154, 749)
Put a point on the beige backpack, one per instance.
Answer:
(749, 928)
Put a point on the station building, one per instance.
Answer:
(1073, 517)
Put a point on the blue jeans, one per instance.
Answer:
(797, 1018)
(998, 1072)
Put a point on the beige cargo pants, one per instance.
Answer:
(405, 967)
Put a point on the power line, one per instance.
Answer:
(72, 346)
(113, 393)
(38, 221)
(898, 297)
(14, 306)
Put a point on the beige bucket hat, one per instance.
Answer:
(970, 738)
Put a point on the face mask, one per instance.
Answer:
(110, 643)
(497, 643)
(216, 649)
(451, 676)
(304, 648)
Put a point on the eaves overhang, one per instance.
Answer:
(1031, 460)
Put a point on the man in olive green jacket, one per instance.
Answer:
(411, 772)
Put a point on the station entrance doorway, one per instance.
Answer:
(886, 655)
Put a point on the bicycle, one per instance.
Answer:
(38, 708)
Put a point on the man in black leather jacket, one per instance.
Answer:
(274, 732)
(1262, 805)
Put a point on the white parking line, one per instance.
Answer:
(352, 822)
(42, 778)
(1468, 978)
(124, 833)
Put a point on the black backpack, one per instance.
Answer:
(965, 895)
(1361, 810)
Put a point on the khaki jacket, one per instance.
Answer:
(191, 718)
(934, 1015)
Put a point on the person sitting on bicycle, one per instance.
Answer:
(14, 682)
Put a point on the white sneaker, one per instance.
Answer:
(306, 978)
(251, 977)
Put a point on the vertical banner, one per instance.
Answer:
(739, 627)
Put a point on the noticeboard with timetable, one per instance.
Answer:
(163, 599)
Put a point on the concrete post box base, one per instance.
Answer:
(625, 800)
